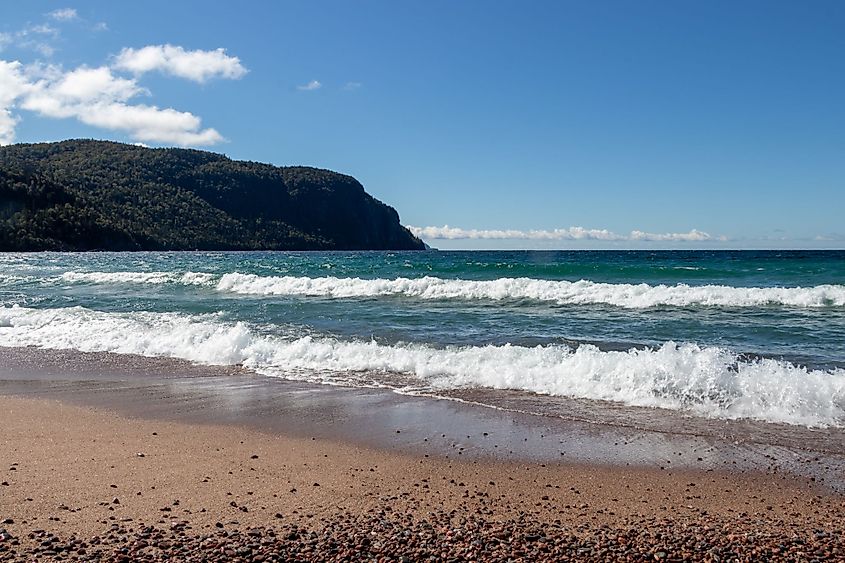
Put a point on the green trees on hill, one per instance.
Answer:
(89, 195)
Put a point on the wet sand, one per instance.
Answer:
(164, 460)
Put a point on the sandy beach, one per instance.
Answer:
(93, 477)
(422, 281)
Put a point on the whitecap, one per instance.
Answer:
(706, 381)
(633, 296)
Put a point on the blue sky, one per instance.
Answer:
(517, 124)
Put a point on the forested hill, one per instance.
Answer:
(98, 195)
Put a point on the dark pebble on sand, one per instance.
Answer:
(443, 536)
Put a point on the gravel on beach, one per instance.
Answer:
(443, 536)
(78, 489)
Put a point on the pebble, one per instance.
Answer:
(438, 536)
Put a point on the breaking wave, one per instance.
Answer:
(706, 381)
(634, 296)
(188, 278)
(561, 292)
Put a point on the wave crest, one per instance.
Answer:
(560, 292)
(187, 278)
(633, 296)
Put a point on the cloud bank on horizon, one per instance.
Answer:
(104, 96)
(570, 234)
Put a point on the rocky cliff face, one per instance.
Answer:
(86, 195)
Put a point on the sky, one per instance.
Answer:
(561, 124)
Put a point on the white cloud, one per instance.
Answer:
(313, 85)
(83, 85)
(572, 233)
(198, 65)
(7, 127)
(13, 84)
(101, 98)
(44, 48)
(352, 85)
(692, 236)
(150, 123)
(41, 29)
(70, 14)
(64, 14)
(829, 237)
(33, 37)
(96, 97)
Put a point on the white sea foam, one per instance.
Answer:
(13, 279)
(187, 278)
(584, 292)
(633, 296)
(707, 381)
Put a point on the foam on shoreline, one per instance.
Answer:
(706, 381)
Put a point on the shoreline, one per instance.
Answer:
(189, 470)
(156, 388)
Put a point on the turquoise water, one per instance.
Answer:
(757, 335)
